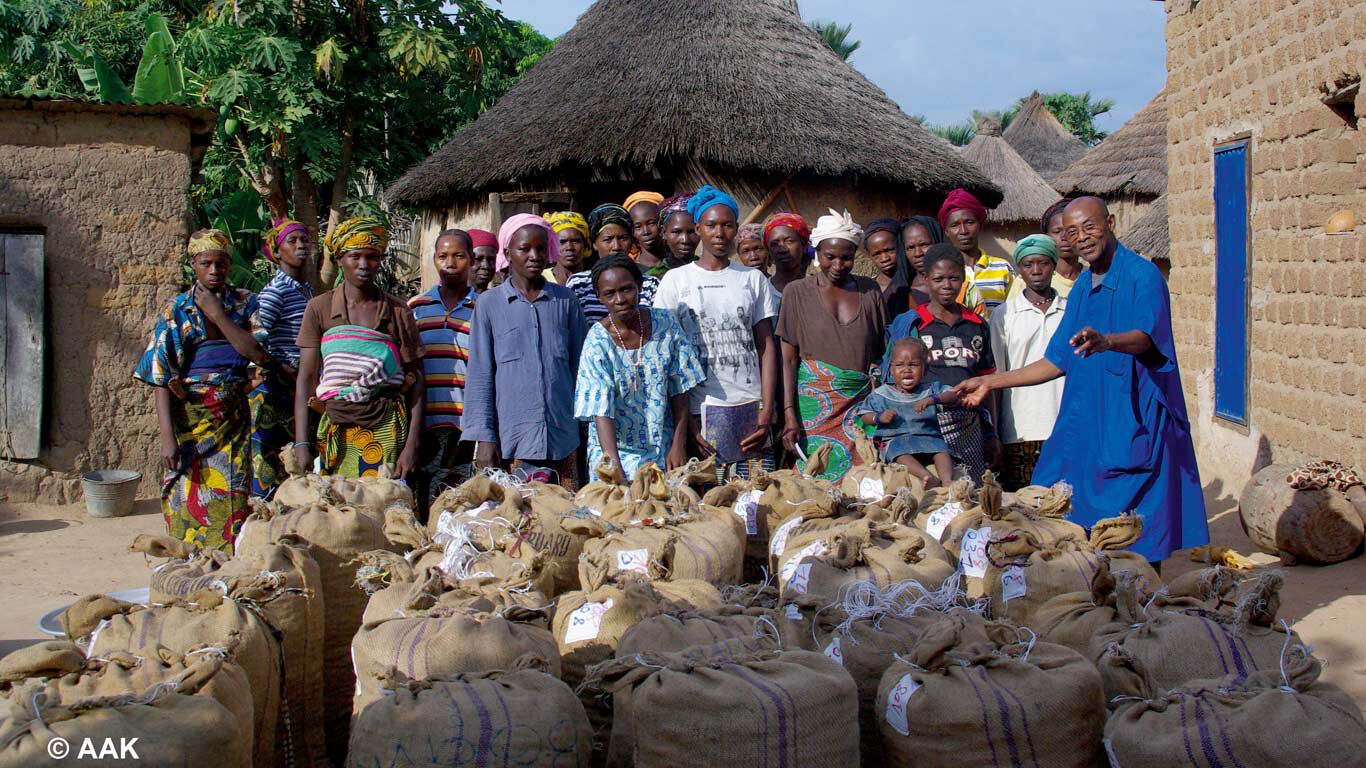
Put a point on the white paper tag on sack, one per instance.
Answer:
(446, 527)
(973, 555)
(790, 566)
(940, 519)
(355, 670)
(833, 650)
(896, 704)
(586, 621)
(780, 536)
(633, 561)
(801, 579)
(792, 612)
(1012, 583)
(870, 489)
(747, 509)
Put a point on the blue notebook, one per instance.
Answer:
(724, 425)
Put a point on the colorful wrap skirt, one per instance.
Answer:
(826, 396)
(205, 499)
(272, 430)
(356, 451)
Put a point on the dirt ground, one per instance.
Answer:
(49, 556)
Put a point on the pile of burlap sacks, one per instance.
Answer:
(667, 621)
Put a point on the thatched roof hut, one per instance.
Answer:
(1043, 141)
(1128, 169)
(671, 94)
(1150, 235)
(1026, 194)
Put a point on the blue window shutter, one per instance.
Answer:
(1231, 283)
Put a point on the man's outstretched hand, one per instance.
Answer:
(972, 392)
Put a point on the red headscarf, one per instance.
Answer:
(961, 199)
(790, 220)
(482, 239)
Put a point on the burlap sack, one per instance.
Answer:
(691, 479)
(371, 495)
(207, 618)
(823, 563)
(1269, 718)
(548, 532)
(1021, 574)
(50, 658)
(445, 641)
(1216, 587)
(498, 504)
(284, 585)
(703, 545)
(427, 587)
(795, 707)
(1073, 618)
(992, 512)
(889, 491)
(175, 722)
(524, 717)
(647, 495)
(1160, 643)
(335, 535)
(589, 625)
(976, 692)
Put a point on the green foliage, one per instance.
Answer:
(245, 219)
(957, 134)
(836, 37)
(1078, 113)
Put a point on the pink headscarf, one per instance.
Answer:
(515, 223)
(961, 199)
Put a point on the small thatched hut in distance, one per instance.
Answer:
(1150, 237)
(673, 94)
(1043, 141)
(1025, 194)
(1128, 169)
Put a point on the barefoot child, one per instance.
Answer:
(905, 412)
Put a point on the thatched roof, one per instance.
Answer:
(1149, 235)
(1027, 195)
(641, 85)
(1041, 140)
(1130, 161)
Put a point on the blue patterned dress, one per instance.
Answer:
(669, 366)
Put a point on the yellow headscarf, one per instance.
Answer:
(209, 240)
(562, 220)
(357, 233)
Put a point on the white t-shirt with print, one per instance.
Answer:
(718, 310)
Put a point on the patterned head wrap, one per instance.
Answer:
(750, 232)
(275, 237)
(675, 204)
(961, 199)
(482, 238)
(356, 234)
(209, 240)
(1036, 244)
(562, 220)
(643, 196)
(514, 223)
(708, 197)
(836, 226)
(605, 214)
(792, 221)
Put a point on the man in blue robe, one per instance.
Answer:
(1122, 439)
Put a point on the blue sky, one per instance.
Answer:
(944, 59)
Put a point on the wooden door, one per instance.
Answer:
(22, 345)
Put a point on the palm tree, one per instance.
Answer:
(836, 37)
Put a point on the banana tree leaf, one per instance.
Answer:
(96, 75)
(160, 78)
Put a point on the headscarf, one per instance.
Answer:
(902, 275)
(792, 221)
(482, 238)
(514, 223)
(927, 223)
(208, 240)
(357, 233)
(1036, 245)
(836, 226)
(708, 197)
(562, 220)
(607, 213)
(961, 199)
(643, 196)
(275, 237)
(748, 231)
(675, 204)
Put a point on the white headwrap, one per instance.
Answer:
(835, 225)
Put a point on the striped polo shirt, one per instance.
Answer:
(989, 279)
(446, 353)
(283, 301)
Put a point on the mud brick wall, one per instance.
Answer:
(109, 190)
(1252, 68)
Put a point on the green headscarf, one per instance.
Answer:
(1036, 245)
